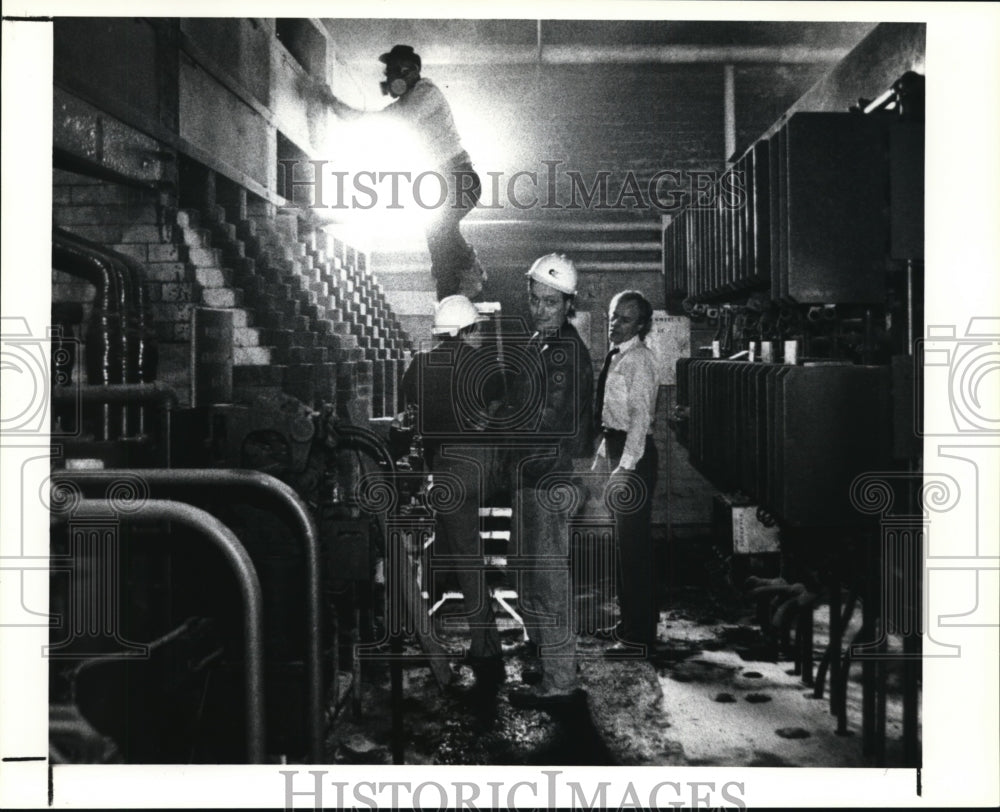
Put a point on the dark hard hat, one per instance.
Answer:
(401, 53)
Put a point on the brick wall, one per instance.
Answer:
(614, 118)
(309, 318)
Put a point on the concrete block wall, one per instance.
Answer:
(191, 107)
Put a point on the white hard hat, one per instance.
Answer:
(555, 270)
(452, 314)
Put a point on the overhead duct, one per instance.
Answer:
(434, 55)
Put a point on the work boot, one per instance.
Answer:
(531, 667)
(482, 694)
(488, 671)
(534, 698)
(627, 651)
(531, 672)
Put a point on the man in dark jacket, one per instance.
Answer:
(553, 392)
(461, 454)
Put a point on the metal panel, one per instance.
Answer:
(833, 426)
(837, 229)
(906, 189)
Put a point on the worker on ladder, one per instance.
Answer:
(421, 108)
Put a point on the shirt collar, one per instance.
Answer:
(627, 345)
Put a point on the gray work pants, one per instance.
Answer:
(544, 587)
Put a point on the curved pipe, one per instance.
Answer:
(237, 557)
(98, 265)
(367, 439)
(121, 291)
(85, 260)
(251, 480)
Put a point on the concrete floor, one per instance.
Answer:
(702, 701)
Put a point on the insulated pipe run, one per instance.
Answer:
(674, 54)
(236, 555)
(250, 480)
(121, 297)
(107, 352)
(156, 391)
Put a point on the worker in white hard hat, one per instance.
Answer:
(457, 316)
(452, 421)
(557, 384)
(422, 110)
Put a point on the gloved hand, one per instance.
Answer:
(314, 89)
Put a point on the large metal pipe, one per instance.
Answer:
(156, 391)
(236, 555)
(77, 257)
(297, 509)
(162, 394)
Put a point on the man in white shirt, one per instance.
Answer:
(624, 412)
(423, 108)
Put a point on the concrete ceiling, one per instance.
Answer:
(600, 95)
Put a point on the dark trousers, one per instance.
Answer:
(458, 548)
(450, 254)
(636, 575)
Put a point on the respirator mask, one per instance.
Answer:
(395, 84)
